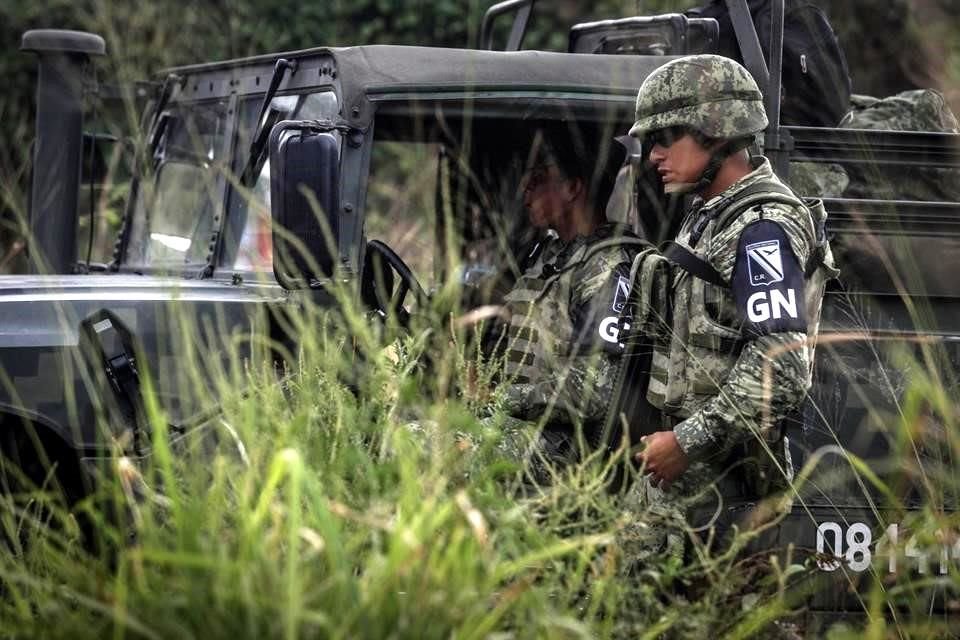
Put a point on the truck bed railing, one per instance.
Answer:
(894, 216)
(868, 146)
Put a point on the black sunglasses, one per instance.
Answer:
(666, 137)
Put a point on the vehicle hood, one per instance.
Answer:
(46, 311)
(15, 288)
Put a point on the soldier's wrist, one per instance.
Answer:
(692, 437)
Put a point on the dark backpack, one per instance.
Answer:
(815, 78)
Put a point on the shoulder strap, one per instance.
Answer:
(732, 206)
(553, 273)
(818, 257)
(749, 42)
(693, 264)
(751, 195)
(764, 192)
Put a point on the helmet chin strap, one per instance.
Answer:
(719, 154)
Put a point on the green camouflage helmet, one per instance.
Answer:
(712, 94)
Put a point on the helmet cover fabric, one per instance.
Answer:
(711, 94)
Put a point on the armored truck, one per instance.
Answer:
(264, 180)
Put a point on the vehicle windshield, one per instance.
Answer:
(444, 189)
(178, 205)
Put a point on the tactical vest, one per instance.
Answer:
(539, 332)
(700, 338)
(523, 345)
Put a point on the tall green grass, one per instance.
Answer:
(356, 494)
(307, 508)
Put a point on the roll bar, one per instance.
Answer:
(63, 60)
(777, 141)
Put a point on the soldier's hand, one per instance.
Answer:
(663, 457)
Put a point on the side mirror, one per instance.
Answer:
(304, 202)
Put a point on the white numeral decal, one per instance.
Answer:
(835, 548)
(888, 546)
(858, 544)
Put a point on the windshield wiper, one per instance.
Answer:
(158, 122)
(260, 135)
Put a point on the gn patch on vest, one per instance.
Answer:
(621, 294)
(597, 321)
(764, 263)
(768, 281)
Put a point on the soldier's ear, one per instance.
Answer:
(573, 188)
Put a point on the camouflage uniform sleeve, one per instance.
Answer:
(582, 385)
(579, 394)
(771, 374)
(768, 381)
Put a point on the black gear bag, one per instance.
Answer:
(816, 81)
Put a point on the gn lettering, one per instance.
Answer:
(609, 329)
(853, 548)
(763, 305)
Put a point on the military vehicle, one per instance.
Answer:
(219, 228)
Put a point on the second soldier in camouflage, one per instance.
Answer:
(560, 347)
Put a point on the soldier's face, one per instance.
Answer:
(678, 157)
(544, 194)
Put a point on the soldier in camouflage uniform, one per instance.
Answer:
(560, 347)
(745, 279)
